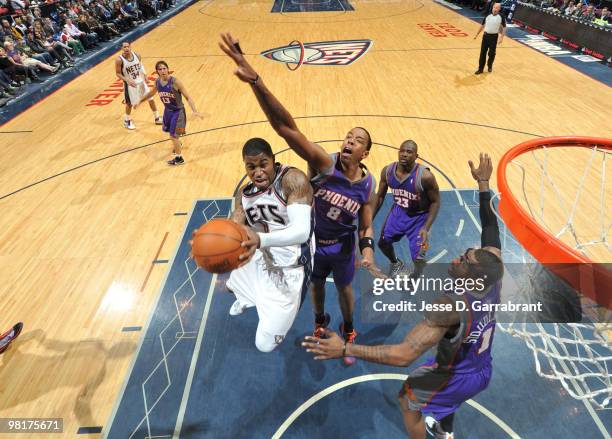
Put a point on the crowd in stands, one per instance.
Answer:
(577, 9)
(39, 39)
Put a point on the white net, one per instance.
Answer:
(564, 189)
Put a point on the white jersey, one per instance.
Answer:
(132, 69)
(266, 211)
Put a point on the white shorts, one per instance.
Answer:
(133, 95)
(277, 294)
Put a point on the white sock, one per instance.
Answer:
(126, 117)
(156, 114)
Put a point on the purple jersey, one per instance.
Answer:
(408, 193)
(171, 98)
(470, 350)
(338, 200)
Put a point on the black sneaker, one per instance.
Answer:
(178, 160)
(478, 72)
(490, 69)
(396, 268)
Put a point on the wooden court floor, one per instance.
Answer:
(86, 205)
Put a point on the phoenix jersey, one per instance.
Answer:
(338, 201)
(408, 193)
(170, 97)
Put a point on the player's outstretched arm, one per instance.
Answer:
(489, 237)
(181, 88)
(424, 336)
(382, 191)
(280, 119)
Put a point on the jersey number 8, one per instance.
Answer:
(334, 213)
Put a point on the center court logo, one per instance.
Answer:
(323, 53)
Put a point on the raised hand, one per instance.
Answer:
(484, 170)
(231, 47)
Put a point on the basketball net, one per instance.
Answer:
(555, 201)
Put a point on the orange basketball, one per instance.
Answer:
(216, 245)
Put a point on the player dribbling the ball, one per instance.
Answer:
(277, 208)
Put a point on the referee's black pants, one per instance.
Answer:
(489, 43)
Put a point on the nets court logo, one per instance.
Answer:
(323, 53)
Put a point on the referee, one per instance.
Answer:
(493, 24)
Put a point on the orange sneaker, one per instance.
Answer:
(319, 330)
(349, 338)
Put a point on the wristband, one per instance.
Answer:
(366, 242)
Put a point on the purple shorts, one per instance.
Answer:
(174, 122)
(338, 259)
(438, 393)
(398, 224)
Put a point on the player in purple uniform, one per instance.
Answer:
(462, 365)
(171, 92)
(416, 201)
(9, 336)
(344, 193)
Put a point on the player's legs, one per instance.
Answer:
(127, 97)
(321, 269)
(492, 50)
(243, 282)
(392, 231)
(144, 89)
(418, 249)
(413, 420)
(343, 273)
(174, 123)
(278, 302)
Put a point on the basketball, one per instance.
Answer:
(216, 245)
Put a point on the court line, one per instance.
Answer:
(111, 418)
(144, 284)
(375, 377)
(459, 228)
(16, 132)
(420, 4)
(438, 256)
(194, 360)
(390, 116)
(196, 352)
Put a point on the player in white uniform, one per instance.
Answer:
(274, 277)
(130, 70)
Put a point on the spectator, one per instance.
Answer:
(10, 31)
(16, 71)
(570, 9)
(54, 48)
(604, 18)
(87, 40)
(24, 60)
(589, 14)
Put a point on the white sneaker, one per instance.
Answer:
(158, 120)
(129, 124)
(237, 308)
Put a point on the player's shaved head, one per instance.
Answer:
(410, 144)
(255, 146)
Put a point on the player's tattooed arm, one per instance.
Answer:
(382, 191)
(297, 188)
(425, 335)
(278, 116)
(238, 214)
(428, 180)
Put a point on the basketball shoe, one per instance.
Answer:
(178, 160)
(129, 124)
(158, 120)
(7, 338)
(319, 330)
